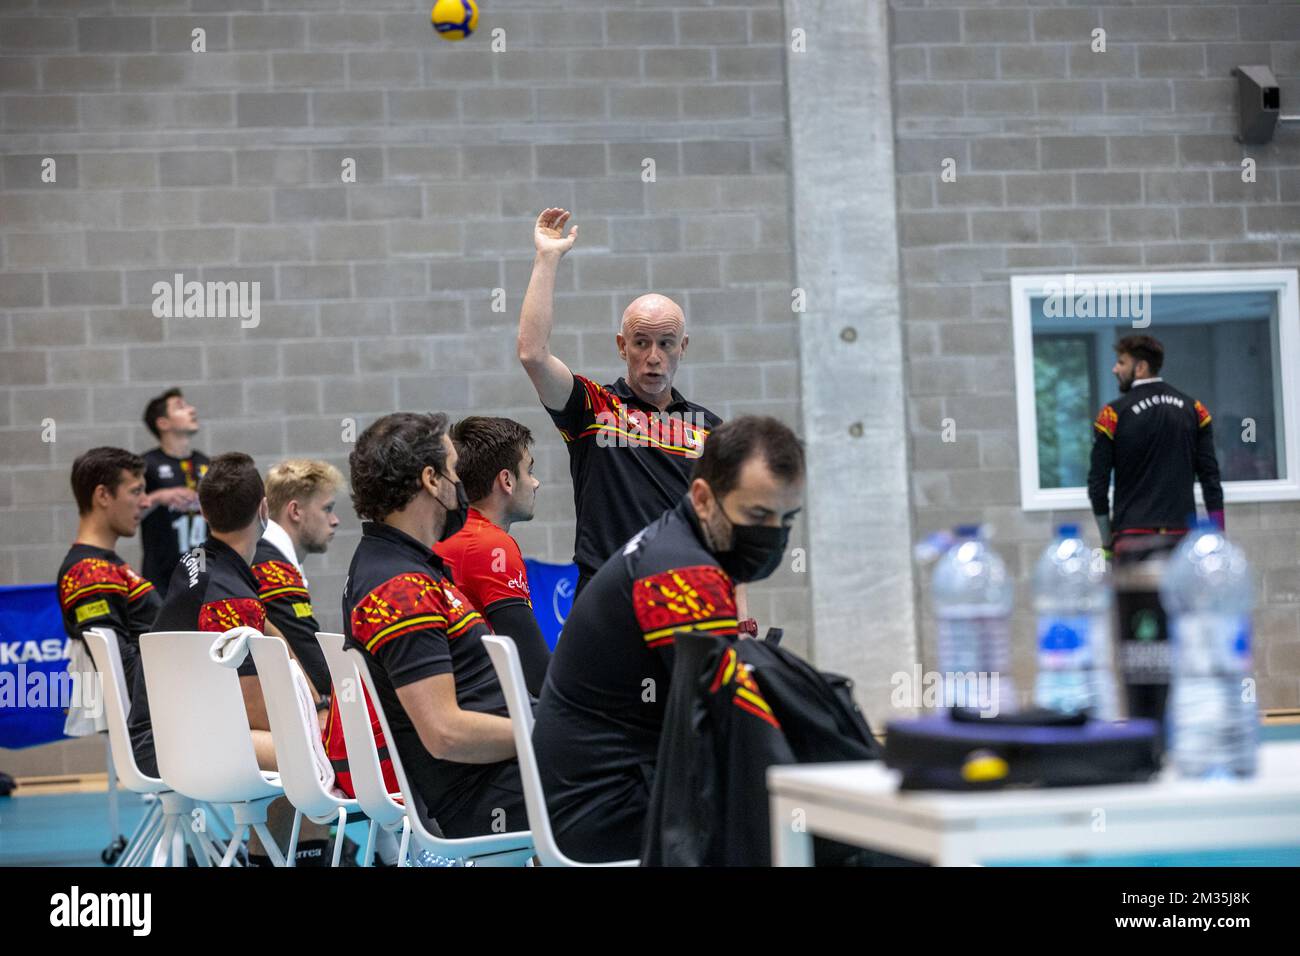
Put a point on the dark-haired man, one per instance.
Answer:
(496, 467)
(173, 470)
(423, 639)
(601, 711)
(1158, 442)
(213, 589)
(96, 587)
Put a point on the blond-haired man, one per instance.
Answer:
(300, 494)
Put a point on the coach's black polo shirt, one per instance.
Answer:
(630, 462)
(212, 589)
(402, 611)
(602, 706)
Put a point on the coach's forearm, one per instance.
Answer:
(472, 737)
(537, 315)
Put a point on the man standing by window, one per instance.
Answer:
(1158, 442)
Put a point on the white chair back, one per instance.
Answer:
(104, 650)
(513, 847)
(510, 672)
(294, 752)
(363, 756)
(200, 726)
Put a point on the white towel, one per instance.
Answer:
(310, 724)
(85, 712)
(231, 647)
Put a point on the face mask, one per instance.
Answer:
(455, 519)
(756, 550)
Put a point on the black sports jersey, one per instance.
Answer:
(411, 623)
(602, 706)
(165, 534)
(630, 462)
(288, 606)
(1159, 442)
(212, 589)
(98, 589)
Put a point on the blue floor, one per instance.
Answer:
(72, 829)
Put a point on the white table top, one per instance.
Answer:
(871, 789)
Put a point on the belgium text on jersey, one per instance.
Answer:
(60, 690)
(1098, 299)
(208, 300)
(75, 908)
(672, 431)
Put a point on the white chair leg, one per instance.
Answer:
(292, 855)
(338, 837)
(268, 844)
(141, 853)
(178, 842)
(405, 845)
(368, 858)
(164, 843)
(142, 829)
(236, 841)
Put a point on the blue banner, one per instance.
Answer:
(33, 649)
(551, 587)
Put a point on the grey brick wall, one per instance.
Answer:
(1070, 160)
(376, 295)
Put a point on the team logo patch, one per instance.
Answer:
(232, 612)
(93, 609)
(696, 598)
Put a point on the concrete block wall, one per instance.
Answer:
(1070, 160)
(375, 295)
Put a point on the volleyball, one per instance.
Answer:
(454, 19)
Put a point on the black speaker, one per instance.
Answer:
(1259, 102)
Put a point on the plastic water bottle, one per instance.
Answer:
(1208, 593)
(1073, 603)
(972, 597)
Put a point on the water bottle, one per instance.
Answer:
(1208, 593)
(972, 597)
(1073, 602)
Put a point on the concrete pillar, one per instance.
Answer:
(851, 346)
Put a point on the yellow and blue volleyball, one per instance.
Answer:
(455, 19)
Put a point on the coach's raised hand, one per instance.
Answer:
(550, 376)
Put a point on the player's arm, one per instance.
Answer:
(550, 376)
(1207, 466)
(1099, 469)
(677, 604)
(515, 619)
(449, 732)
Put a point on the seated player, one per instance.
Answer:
(496, 467)
(213, 589)
(601, 711)
(96, 587)
(300, 495)
(421, 637)
(173, 525)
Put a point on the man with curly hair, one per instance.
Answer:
(423, 639)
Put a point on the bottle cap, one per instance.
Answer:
(1067, 531)
(967, 531)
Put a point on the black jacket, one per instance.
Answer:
(735, 709)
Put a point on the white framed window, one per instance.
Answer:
(1232, 341)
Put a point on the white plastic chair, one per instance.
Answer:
(489, 849)
(294, 752)
(363, 756)
(201, 734)
(160, 837)
(505, 658)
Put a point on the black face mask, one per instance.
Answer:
(756, 550)
(455, 519)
